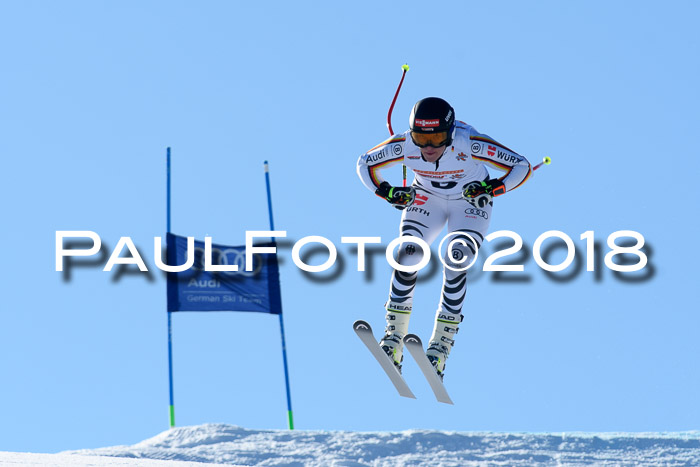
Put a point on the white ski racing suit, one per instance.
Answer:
(438, 200)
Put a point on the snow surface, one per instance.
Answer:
(227, 444)
(26, 459)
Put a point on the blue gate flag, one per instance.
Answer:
(199, 290)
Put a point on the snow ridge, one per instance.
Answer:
(227, 444)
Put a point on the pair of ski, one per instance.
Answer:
(415, 347)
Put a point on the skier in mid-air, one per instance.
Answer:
(451, 185)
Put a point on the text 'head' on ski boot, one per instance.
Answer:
(442, 340)
(397, 317)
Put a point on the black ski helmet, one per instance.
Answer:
(433, 115)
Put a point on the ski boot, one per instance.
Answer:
(397, 317)
(442, 340)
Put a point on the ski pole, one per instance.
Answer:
(404, 67)
(545, 161)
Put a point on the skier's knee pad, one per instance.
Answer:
(459, 252)
(410, 254)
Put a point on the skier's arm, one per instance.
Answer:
(487, 150)
(385, 154)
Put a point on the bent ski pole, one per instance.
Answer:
(404, 67)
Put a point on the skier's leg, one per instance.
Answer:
(469, 226)
(424, 220)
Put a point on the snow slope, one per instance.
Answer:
(219, 443)
(27, 459)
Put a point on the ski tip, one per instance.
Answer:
(412, 338)
(360, 324)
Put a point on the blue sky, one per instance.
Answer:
(91, 94)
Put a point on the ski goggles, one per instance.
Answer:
(435, 140)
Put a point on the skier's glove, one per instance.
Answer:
(479, 194)
(399, 197)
